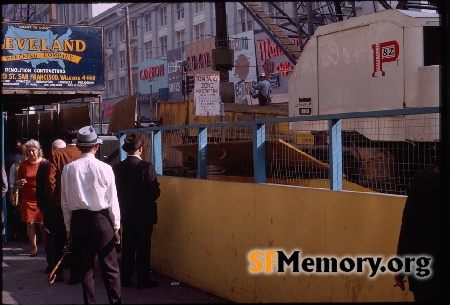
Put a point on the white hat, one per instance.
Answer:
(87, 137)
(262, 74)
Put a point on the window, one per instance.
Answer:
(163, 43)
(123, 86)
(148, 50)
(111, 86)
(199, 32)
(180, 10)
(198, 7)
(245, 20)
(134, 55)
(122, 59)
(180, 38)
(134, 28)
(111, 63)
(135, 81)
(109, 37)
(349, 4)
(163, 15)
(148, 22)
(273, 12)
(122, 32)
(73, 15)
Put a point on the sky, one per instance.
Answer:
(98, 8)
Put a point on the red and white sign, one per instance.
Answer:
(384, 52)
(206, 95)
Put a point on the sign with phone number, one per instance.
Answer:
(47, 56)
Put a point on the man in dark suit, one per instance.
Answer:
(44, 205)
(137, 190)
(421, 234)
(58, 159)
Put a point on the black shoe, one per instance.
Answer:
(59, 278)
(147, 284)
(73, 280)
(49, 268)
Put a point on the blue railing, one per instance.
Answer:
(258, 129)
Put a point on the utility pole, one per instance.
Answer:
(52, 13)
(130, 75)
(151, 99)
(222, 55)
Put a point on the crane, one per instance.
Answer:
(308, 16)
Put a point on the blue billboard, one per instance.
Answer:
(52, 57)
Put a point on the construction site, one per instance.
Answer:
(362, 114)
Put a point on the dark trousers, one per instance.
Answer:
(54, 221)
(14, 223)
(92, 233)
(262, 100)
(136, 248)
(49, 225)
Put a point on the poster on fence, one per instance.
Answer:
(206, 95)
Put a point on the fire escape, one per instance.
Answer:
(23, 12)
(309, 15)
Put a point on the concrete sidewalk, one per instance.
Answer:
(25, 282)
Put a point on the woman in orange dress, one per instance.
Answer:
(26, 180)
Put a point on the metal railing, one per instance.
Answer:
(375, 151)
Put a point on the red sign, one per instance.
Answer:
(198, 61)
(268, 49)
(152, 72)
(384, 52)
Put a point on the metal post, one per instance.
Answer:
(130, 75)
(151, 101)
(58, 114)
(259, 152)
(100, 113)
(310, 18)
(202, 153)
(222, 114)
(4, 211)
(335, 148)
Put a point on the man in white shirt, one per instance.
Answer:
(92, 216)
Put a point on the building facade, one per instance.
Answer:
(168, 40)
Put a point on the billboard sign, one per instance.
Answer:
(52, 57)
(152, 76)
(244, 70)
(199, 59)
(272, 61)
(175, 72)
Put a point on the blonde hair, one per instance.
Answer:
(34, 143)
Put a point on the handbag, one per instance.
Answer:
(15, 199)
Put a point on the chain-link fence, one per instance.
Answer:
(369, 152)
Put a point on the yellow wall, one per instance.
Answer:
(207, 228)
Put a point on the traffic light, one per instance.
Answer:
(189, 83)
